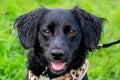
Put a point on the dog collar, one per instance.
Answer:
(72, 75)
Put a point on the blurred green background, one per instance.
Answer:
(104, 64)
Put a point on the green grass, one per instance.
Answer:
(103, 64)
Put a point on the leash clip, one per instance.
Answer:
(99, 46)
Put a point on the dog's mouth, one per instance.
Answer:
(58, 66)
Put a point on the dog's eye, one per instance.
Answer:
(47, 32)
(72, 32)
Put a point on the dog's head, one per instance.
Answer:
(59, 33)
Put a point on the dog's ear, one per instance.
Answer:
(91, 27)
(28, 26)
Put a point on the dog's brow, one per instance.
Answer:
(51, 24)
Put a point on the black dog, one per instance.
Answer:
(59, 39)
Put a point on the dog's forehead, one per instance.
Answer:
(60, 15)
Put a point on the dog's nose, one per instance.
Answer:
(57, 54)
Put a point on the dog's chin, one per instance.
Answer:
(58, 69)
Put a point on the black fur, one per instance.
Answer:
(69, 32)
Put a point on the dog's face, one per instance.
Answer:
(60, 35)
(59, 32)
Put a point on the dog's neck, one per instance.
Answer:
(72, 75)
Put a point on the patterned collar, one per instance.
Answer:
(72, 75)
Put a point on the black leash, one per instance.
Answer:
(108, 44)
